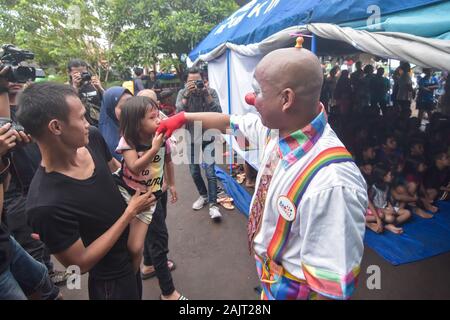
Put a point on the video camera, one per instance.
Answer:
(13, 57)
(14, 126)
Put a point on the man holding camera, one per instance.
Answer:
(24, 159)
(196, 97)
(88, 87)
(21, 276)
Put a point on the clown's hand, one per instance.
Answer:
(169, 125)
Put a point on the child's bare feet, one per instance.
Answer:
(431, 208)
(421, 213)
(393, 229)
(375, 227)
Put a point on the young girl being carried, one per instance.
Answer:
(146, 159)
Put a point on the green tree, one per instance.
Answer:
(144, 32)
(109, 34)
(55, 30)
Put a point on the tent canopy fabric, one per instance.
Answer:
(260, 19)
(402, 46)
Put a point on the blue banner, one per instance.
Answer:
(259, 19)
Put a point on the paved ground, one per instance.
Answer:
(213, 261)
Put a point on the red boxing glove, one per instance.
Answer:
(169, 125)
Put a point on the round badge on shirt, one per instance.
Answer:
(286, 208)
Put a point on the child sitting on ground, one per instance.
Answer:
(367, 154)
(389, 153)
(408, 193)
(374, 218)
(437, 178)
(145, 157)
(379, 196)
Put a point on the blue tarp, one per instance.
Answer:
(262, 18)
(240, 196)
(422, 238)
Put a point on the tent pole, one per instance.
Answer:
(314, 44)
(229, 107)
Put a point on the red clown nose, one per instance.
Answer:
(250, 98)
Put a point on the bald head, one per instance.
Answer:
(149, 94)
(297, 69)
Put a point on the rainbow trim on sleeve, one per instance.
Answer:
(331, 284)
(296, 192)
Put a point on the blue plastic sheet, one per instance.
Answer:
(422, 238)
(240, 196)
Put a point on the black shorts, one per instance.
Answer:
(425, 106)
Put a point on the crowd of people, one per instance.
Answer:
(378, 89)
(131, 164)
(404, 158)
(88, 177)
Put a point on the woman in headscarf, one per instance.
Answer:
(113, 99)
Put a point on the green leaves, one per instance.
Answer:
(55, 30)
(124, 33)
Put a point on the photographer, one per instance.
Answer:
(25, 160)
(198, 97)
(20, 274)
(88, 87)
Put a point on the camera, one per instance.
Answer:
(86, 76)
(12, 57)
(199, 84)
(14, 126)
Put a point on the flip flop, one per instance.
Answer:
(224, 199)
(240, 178)
(226, 202)
(227, 205)
(149, 275)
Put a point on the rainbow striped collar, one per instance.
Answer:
(297, 144)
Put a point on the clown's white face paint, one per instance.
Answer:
(256, 88)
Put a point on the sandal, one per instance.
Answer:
(226, 202)
(224, 199)
(227, 205)
(240, 178)
(149, 275)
